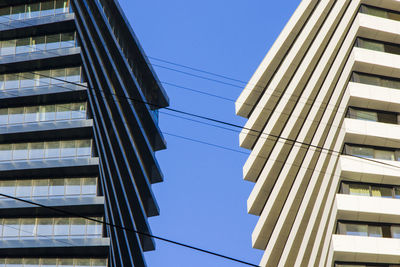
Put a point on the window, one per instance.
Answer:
(378, 46)
(372, 152)
(52, 262)
(374, 190)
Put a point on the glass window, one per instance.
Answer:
(375, 231)
(28, 228)
(59, 75)
(11, 81)
(36, 150)
(52, 41)
(74, 74)
(99, 262)
(78, 111)
(5, 152)
(16, 115)
(366, 115)
(365, 152)
(47, 113)
(32, 10)
(44, 78)
(63, 112)
(7, 47)
(47, 8)
(20, 151)
(62, 6)
(8, 187)
(395, 230)
(44, 227)
(82, 263)
(372, 45)
(384, 154)
(359, 189)
(17, 12)
(387, 117)
(23, 45)
(27, 79)
(13, 262)
(381, 191)
(40, 188)
(2, 80)
(72, 186)
(5, 14)
(78, 226)
(57, 187)
(89, 186)
(3, 116)
(94, 228)
(356, 229)
(83, 148)
(38, 43)
(66, 262)
(11, 228)
(68, 149)
(67, 39)
(32, 114)
(24, 188)
(49, 263)
(374, 11)
(61, 227)
(52, 149)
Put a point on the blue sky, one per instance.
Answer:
(203, 198)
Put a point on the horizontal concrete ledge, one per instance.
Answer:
(369, 209)
(49, 168)
(46, 130)
(370, 132)
(357, 169)
(88, 206)
(89, 247)
(365, 249)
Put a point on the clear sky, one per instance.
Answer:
(203, 196)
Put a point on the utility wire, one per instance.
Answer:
(127, 229)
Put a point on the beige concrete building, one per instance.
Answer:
(331, 80)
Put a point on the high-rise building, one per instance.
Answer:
(76, 134)
(323, 108)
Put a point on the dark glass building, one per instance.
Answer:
(76, 134)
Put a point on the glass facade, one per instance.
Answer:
(34, 114)
(52, 262)
(49, 188)
(365, 265)
(34, 10)
(45, 228)
(368, 229)
(373, 190)
(46, 150)
(372, 152)
(376, 80)
(37, 43)
(373, 115)
(39, 78)
(378, 46)
(380, 12)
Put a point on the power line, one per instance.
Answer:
(128, 229)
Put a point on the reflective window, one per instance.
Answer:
(50, 188)
(45, 150)
(35, 114)
(373, 190)
(34, 10)
(47, 262)
(376, 80)
(372, 152)
(44, 228)
(378, 46)
(39, 78)
(380, 12)
(37, 43)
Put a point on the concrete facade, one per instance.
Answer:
(332, 80)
